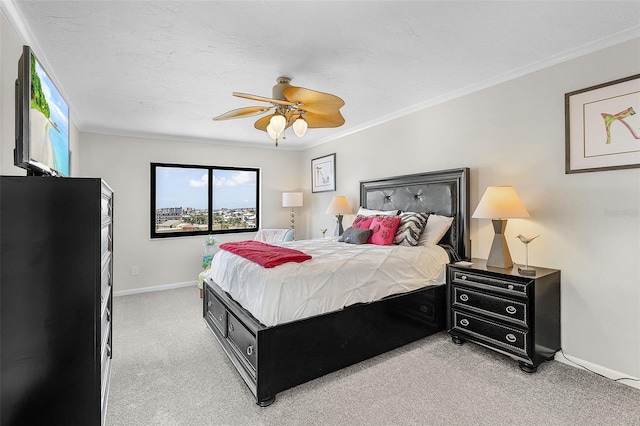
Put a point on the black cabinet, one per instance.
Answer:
(514, 314)
(56, 248)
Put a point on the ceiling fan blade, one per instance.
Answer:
(314, 101)
(263, 122)
(242, 112)
(263, 99)
(318, 121)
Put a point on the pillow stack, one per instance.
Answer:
(386, 227)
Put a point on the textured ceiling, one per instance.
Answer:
(164, 68)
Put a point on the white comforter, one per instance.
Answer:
(338, 275)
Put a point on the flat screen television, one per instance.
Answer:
(42, 121)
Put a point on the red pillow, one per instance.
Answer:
(383, 230)
(362, 222)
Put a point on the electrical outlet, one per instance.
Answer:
(135, 270)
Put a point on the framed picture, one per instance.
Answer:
(602, 126)
(323, 173)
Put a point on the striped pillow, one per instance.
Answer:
(410, 228)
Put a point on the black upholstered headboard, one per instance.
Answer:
(445, 193)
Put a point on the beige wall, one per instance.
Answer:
(513, 134)
(124, 163)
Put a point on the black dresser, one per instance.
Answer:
(514, 314)
(56, 268)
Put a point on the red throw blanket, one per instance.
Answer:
(265, 254)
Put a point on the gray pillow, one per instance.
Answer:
(355, 236)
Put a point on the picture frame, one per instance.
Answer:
(602, 126)
(323, 173)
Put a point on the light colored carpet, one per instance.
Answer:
(168, 369)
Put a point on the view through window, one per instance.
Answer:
(200, 200)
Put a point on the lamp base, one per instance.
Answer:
(339, 229)
(499, 256)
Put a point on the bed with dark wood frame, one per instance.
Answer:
(273, 359)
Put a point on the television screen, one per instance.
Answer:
(42, 120)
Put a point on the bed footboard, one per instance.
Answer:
(273, 359)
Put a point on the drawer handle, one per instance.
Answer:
(109, 350)
(230, 327)
(511, 310)
(209, 303)
(464, 322)
(108, 315)
(463, 277)
(250, 350)
(464, 297)
(510, 338)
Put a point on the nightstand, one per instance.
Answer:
(500, 309)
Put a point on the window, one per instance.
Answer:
(199, 200)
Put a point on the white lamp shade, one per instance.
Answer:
(339, 205)
(300, 127)
(500, 202)
(292, 199)
(277, 123)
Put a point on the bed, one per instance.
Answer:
(273, 352)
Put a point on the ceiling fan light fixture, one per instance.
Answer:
(272, 133)
(300, 127)
(278, 123)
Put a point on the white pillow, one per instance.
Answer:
(368, 212)
(437, 226)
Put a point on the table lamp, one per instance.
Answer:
(339, 206)
(500, 203)
(292, 199)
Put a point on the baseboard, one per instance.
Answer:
(625, 379)
(154, 288)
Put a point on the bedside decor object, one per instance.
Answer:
(502, 310)
(339, 206)
(602, 126)
(209, 245)
(499, 203)
(323, 173)
(292, 199)
(526, 270)
(324, 231)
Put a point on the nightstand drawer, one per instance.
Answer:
(494, 306)
(490, 283)
(509, 338)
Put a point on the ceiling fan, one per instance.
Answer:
(293, 106)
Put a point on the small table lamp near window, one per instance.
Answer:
(292, 199)
(500, 203)
(339, 206)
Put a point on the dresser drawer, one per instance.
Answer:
(105, 240)
(217, 313)
(244, 344)
(505, 286)
(105, 278)
(105, 381)
(508, 338)
(495, 306)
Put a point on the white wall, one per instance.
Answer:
(124, 163)
(513, 134)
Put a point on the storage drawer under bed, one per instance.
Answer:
(216, 313)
